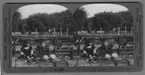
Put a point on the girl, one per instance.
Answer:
(106, 51)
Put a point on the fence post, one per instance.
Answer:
(118, 30)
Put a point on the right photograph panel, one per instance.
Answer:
(105, 35)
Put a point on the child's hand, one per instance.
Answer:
(95, 50)
(84, 52)
(21, 53)
(28, 57)
(94, 56)
(90, 56)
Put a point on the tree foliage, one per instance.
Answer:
(43, 22)
(105, 20)
(79, 18)
(109, 20)
(16, 21)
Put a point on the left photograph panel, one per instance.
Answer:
(38, 31)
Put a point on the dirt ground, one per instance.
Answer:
(81, 62)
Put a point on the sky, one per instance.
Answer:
(92, 9)
(28, 10)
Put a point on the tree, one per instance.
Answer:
(43, 22)
(128, 19)
(109, 20)
(79, 18)
(16, 21)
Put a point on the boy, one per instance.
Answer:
(26, 51)
(90, 51)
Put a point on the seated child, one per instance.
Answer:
(90, 52)
(26, 51)
(105, 51)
